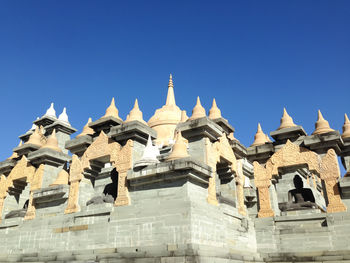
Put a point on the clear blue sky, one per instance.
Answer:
(254, 57)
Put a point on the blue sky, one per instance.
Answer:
(254, 57)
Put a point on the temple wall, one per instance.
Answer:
(157, 220)
(304, 236)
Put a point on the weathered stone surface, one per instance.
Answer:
(48, 156)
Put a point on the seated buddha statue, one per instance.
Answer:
(299, 198)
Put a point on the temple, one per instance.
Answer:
(175, 189)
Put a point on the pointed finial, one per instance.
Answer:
(52, 142)
(179, 149)
(286, 121)
(35, 138)
(63, 116)
(15, 154)
(214, 112)
(51, 111)
(170, 99)
(166, 118)
(149, 155)
(112, 110)
(33, 126)
(86, 130)
(62, 178)
(321, 126)
(346, 127)
(232, 137)
(259, 127)
(136, 104)
(135, 114)
(184, 116)
(198, 110)
(260, 137)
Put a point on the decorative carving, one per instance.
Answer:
(76, 169)
(212, 158)
(36, 183)
(62, 178)
(101, 147)
(37, 179)
(31, 208)
(330, 173)
(240, 193)
(262, 179)
(73, 205)
(226, 152)
(1, 207)
(75, 175)
(3, 186)
(221, 149)
(22, 170)
(121, 158)
(3, 192)
(291, 154)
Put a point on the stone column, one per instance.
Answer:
(75, 175)
(122, 161)
(262, 181)
(330, 173)
(240, 193)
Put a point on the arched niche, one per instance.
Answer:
(20, 176)
(103, 149)
(291, 155)
(218, 153)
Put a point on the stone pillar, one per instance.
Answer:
(1, 207)
(75, 176)
(330, 174)
(240, 193)
(262, 181)
(122, 161)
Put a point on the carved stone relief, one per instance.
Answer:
(330, 173)
(23, 170)
(291, 154)
(121, 159)
(36, 183)
(240, 183)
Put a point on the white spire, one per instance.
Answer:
(34, 125)
(63, 116)
(149, 155)
(51, 111)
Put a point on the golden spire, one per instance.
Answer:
(35, 138)
(14, 154)
(346, 128)
(112, 110)
(198, 111)
(62, 178)
(165, 119)
(214, 112)
(135, 114)
(170, 99)
(321, 126)
(86, 130)
(260, 137)
(286, 121)
(232, 137)
(179, 148)
(52, 142)
(184, 116)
